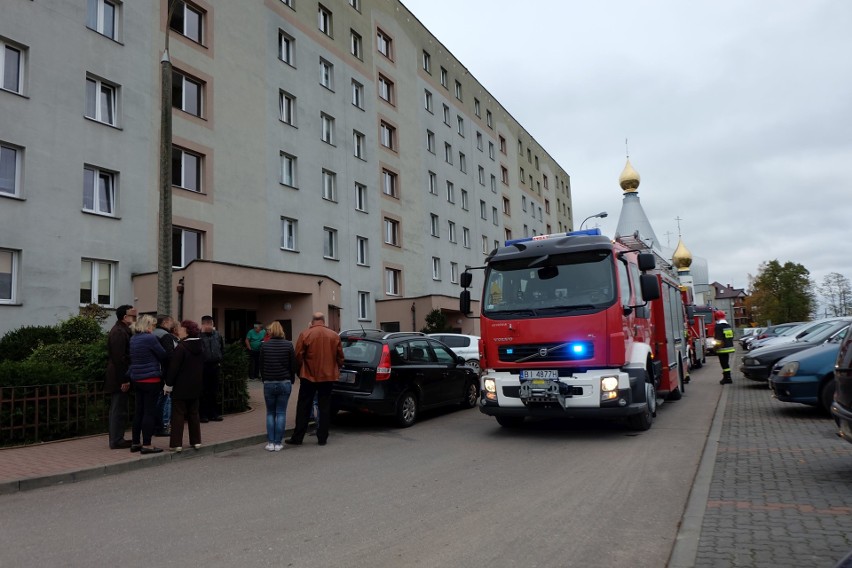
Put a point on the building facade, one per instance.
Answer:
(327, 156)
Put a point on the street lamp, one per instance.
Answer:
(602, 214)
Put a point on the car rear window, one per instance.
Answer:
(455, 341)
(357, 350)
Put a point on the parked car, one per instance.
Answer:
(758, 363)
(466, 346)
(749, 334)
(399, 374)
(795, 333)
(841, 409)
(807, 377)
(772, 331)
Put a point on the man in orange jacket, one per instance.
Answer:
(319, 353)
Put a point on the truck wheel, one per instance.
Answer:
(471, 394)
(826, 395)
(406, 410)
(644, 419)
(510, 421)
(677, 393)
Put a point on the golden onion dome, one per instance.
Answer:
(682, 258)
(629, 179)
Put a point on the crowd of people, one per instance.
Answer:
(173, 369)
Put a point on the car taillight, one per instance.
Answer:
(383, 372)
(482, 364)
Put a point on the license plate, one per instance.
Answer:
(346, 377)
(531, 375)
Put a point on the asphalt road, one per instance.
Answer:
(454, 490)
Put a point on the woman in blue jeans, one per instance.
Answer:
(278, 369)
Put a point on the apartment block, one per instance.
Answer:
(326, 156)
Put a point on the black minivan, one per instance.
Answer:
(841, 409)
(399, 374)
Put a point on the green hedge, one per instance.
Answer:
(19, 344)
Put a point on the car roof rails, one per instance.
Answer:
(362, 331)
(403, 334)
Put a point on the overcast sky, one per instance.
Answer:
(738, 114)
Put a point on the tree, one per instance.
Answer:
(836, 292)
(780, 293)
(436, 322)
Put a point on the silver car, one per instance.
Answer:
(466, 346)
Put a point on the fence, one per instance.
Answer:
(32, 414)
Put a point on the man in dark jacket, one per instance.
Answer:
(724, 335)
(184, 383)
(214, 351)
(165, 335)
(117, 382)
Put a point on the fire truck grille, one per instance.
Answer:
(547, 352)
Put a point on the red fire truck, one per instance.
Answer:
(707, 315)
(577, 324)
(696, 334)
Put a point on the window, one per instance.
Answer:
(529, 156)
(360, 197)
(186, 169)
(384, 44)
(355, 4)
(389, 186)
(462, 162)
(483, 210)
(451, 192)
(433, 183)
(451, 231)
(361, 249)
(387, 135)
(427, 62)
(434, 225)
(326, 70)
(448, 153)
(480, 171)
(436, 268)
(96, 282)
(327, 123)
(476, 109)
(507, 234)
(288, 170)
(430, 141)
(289, 232)
(460, 122)
(186, 246)
(392, 281)
(329, 185)
(427, 100)
(479, 141)
(464, 199)
(102, 16)
(504, 174)
(324, 21)
(8, 276)
(494, 218)
(357, 94)
(187, 93)
(524, 203)
(444, 77)
(466, 237)
(544, 179)
(386, 89)
(488, 119)
(520, 147)
(506, 206)
(458, 90)
(10, 170)
(536, 162)
(356, 45)
(454, 272)
(100, 101)
(287, 3)
(446, 115)
(491, 150)
(526, 230)
(484, 240)
(363, 305)
(493, 183)
(547, 206)
(286, 48)
(391, 232)
(287, 108)
(359, 143)
(98, 191)
(521, 174)
(11, 68)
(329, 247)
(188, 21)
(502, 145)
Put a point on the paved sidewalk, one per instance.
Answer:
(67, 461)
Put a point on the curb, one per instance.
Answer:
(685, 549)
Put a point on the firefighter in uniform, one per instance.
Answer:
(725, 340)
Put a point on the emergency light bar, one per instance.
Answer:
(590, 232)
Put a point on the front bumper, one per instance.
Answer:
(756, 372)
(803, 389)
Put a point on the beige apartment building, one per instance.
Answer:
(328, 156)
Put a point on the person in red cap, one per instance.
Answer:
(725, 345)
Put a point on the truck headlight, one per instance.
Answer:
(609, 384)
(490, 385)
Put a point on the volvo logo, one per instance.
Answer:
(542, 352)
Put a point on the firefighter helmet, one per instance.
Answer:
(719, 315)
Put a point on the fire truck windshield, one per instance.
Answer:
(561, 284)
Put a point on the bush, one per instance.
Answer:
(32, 372)
(235, 378)
(83, 362)
(19, 344)
(81, 329)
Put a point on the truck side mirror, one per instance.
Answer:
(690, 313)
(646, 261)
(464, 301)
(650, 286)
(466, 279)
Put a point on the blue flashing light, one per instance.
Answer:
(588, 232)
(510, 351)
(578, 348)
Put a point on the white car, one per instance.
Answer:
(466, 346)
